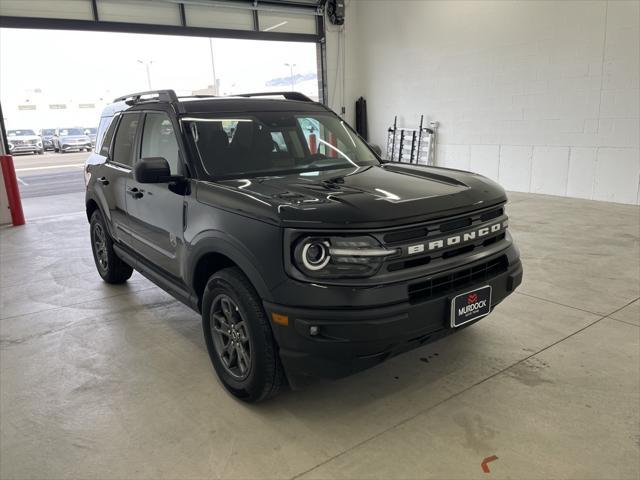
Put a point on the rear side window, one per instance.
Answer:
(105, 135)
(159, 140)
(125, 139)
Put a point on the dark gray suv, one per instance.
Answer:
(305, 253)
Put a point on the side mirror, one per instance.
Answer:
(153, 170)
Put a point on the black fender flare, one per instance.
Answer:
(102, 206)
(216, 241)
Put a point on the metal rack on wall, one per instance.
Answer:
(412, 145)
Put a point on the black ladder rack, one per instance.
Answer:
(412, 145)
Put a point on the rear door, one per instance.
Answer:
(155, 212)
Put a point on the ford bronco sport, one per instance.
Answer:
(306, 254)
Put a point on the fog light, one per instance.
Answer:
(314, 330)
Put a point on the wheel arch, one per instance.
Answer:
(91, 207)
(215, 253)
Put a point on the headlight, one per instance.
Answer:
(340, 257)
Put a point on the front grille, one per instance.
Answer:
(405, 235)
(455, 281)
(422, 234)
(446, 226)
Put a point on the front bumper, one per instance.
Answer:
(68, 147)
(25, 148)
(351, 339)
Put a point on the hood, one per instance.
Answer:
(387, 195)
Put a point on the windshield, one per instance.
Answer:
(18, 133)
(49, 131)
(275, 143)
(71, 131)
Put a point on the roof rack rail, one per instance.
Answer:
(287, 95)
(163, 96)
(198, 95)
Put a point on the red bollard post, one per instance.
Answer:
(13, 193)
(334, 142)
(313, 145)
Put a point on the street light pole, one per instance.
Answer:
(293, 83)
(213, 68)
(147, 65)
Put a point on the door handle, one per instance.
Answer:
(135, 192)
(103, 180)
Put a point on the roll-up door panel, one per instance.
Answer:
(218, 17)
(65, 9)
(158, 13)
(286, 22)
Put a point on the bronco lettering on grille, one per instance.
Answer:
(457, 239)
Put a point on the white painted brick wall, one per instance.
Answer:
(542, 96)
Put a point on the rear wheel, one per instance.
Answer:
(239, 338)
(111, 268)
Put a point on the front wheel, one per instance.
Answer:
(111, 268)
(239, 337)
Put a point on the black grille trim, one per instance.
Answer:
(455, 281)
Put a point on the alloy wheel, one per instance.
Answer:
(231, 337)
(100, 246)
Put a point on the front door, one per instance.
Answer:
(155, 212)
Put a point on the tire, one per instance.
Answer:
(41, 151)
(56, 149)
(111, 268)
(264, 375)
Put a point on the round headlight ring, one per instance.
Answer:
(322, 261)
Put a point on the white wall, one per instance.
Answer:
(541, 96)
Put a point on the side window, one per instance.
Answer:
(125, 138)
(105, 135)
(278, 140)
(159, 140)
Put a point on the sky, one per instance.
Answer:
(93, 67)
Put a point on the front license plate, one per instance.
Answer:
(470, 306)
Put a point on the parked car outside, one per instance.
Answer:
(46, 135)
(306, 256)
(24, 141)
(91, 133)
(70, 139)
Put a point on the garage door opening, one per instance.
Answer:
(55, 83)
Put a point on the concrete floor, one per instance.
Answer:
(112, 382)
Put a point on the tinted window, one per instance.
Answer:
(159, 140)
(104, 138)
(15, 133)
(67, 132)
(125, 138)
